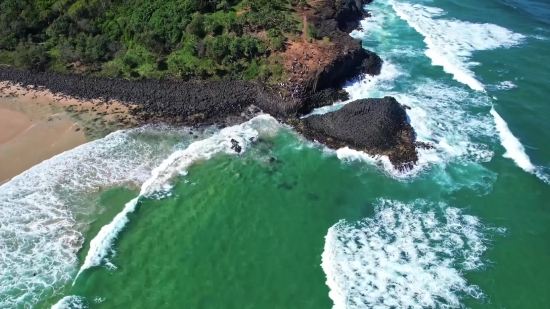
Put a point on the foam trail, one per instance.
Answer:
(515, 150)
(44, 210)
(102, 245)
(406, 256)
(451, 42)
(71, 302)
(506, 85)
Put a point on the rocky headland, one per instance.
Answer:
(316, 70)
(375, 126)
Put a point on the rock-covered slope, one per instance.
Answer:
(375, 126)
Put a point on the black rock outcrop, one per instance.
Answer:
(173, 101)
(235, 146)
(352, 60)
(375, 126)
(349, 13)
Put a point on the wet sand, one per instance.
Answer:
(36, 125)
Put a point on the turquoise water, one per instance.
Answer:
(153, 218)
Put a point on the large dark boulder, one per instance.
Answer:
(346, 66)
(348, 14)
(375, 126)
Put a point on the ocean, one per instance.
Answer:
(163, 217)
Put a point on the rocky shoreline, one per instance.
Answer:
(375, 126)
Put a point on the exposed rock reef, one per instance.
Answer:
(375, 126)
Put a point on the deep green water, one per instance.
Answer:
(468, 228)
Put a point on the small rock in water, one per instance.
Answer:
(235, 146)
(424, 145)
(271, 159)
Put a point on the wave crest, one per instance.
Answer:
(406, 256)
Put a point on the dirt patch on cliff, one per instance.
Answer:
(302, 59)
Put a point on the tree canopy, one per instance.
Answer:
(143, 38)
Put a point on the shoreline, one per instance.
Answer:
(228, 102)
(36, 125)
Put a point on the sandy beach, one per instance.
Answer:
(36, 125)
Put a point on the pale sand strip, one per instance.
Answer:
(35, 125)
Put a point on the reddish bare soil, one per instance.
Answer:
(303, 58)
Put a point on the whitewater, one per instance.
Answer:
(417, 249)
(45, 209)
(450, 44)
(405, 257)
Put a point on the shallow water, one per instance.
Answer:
(154, 218)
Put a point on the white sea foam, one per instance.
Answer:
(506, 85)
(514, 149)
(367, 86)
(406, 256)
(374, 26)
(71, 302)
(44, 210)
(442, 116)
(540, 37)
(372, 86)
(176, 164)
(451, 42)
(347, 154)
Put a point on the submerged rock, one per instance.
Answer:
(235, 146)
(375, 126)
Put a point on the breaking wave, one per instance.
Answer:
(451, 42)
(44, 211)
(176, 164)
(406, 256)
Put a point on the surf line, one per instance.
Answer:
(177, 163)
(451, 55)
(514, 149)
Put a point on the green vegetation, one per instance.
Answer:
(311, 33)
(207, 39)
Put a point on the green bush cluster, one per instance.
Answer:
(143, 38)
